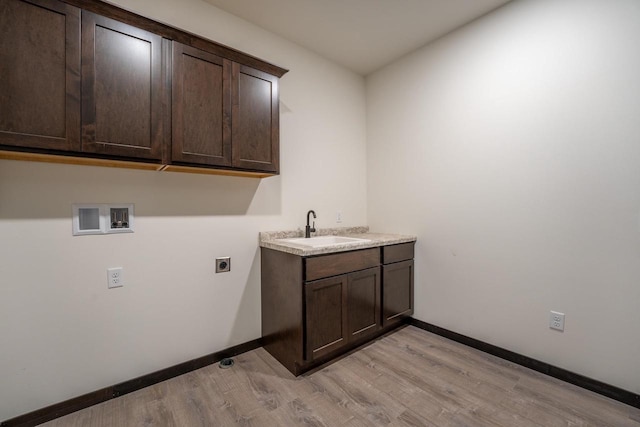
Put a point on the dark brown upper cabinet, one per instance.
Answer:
(121, 89)
(223, 113)
(40, 75)
(255, 124)
(83, 81)
(200, 107)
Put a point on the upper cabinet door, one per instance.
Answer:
(201, 107)
(255, 128)
(121, 89)
(39, 74)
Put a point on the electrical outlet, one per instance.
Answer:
(556, 320)
(114, 277)
(223, 264)
(339, 216)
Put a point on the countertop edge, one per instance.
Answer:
(375, 240)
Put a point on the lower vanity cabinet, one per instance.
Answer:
(315, 307)
(341, 310)
(397, 279)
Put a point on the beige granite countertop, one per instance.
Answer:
(272, 240)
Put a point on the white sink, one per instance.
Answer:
(323, 241)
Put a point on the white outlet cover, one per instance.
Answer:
(115, 278)
(556, 320)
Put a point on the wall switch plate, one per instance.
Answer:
(556, 320)
(223, 264)
(114, 277)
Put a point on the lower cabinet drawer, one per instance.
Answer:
(396, 253)
(341, 263)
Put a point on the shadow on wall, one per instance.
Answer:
(31, 190)
(248, 317)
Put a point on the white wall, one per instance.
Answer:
(511, 148)
(63, 333)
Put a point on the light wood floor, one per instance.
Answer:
(408, 378)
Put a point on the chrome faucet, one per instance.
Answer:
(310, 229)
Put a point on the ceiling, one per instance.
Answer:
(362, 35)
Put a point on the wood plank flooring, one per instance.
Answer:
(408, 378)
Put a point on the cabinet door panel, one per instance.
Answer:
(397, 294)
(326, 328)
(255, 127)
(201, 107)
(121, 89)
(40, 74)
(363, 303)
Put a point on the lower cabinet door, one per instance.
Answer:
(326, 316)
(397, 291)
(363, 303)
